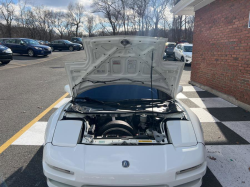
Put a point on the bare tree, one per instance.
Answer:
(158, 10)
(61, 23)
(109, 10)
(7, 13)
(90, 25)
(75, 14)
(140, 7)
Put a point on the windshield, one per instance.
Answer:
(77, 39)
(188, 48)
(122, 92)
(30, 42)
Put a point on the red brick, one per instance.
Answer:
(221, 52)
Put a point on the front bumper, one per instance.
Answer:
(77, 47)
(188, 60)
(42, 52)
(99, 169)
(6, 56)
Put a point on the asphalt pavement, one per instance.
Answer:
(31, 89)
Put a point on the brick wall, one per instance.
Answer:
(221, 52)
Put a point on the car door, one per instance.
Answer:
(20, 46)
(53, 44)
(60, 45)
(176, 51)
(180, 51)
(11, 43)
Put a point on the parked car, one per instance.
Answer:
(77, 40)
(183, 52)
(5, 54)
(43, 42)
(169, 49)
(64, 45)
(124, 125)
(26, 46)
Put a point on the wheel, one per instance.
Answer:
(116, 127)
(182, 59)
(71, 48)
(60, 50)
(174, 57)
(31, 53)
(5, 62)
(45, 55)
(52, 49)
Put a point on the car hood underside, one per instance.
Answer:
(124, 60)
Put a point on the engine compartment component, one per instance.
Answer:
(123, 127)
(136, 129)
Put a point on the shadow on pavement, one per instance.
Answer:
(187, 68)
(1, 64)
(209, 180)
(30, 176)
(26, 57)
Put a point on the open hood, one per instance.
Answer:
(124, 60)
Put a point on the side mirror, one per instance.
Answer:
(180, 89)
(68, 90)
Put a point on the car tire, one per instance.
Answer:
(31, 53)
(71, 48)
(116, 125)
(45, 55)
(5, 62)
(182, 59)
(174, 57)
(52, 49)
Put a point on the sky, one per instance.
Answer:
(58, 4)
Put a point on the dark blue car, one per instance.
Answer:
(5, 54)
(26, 46)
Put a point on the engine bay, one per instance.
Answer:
(123, 128)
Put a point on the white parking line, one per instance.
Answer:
(191, 89)
(181, 96)
(242, 128)
(33, 136)
(62, 102)
(203, 115)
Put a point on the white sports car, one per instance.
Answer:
(123, 126)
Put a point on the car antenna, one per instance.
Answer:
(151, 77)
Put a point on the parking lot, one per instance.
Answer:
(32, 89)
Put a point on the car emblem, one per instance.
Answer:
(125, 163)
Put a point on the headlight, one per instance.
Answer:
(38, 48)
(49, 48)
(7, 51)
(187, 56)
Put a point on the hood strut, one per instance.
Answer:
(151, 83)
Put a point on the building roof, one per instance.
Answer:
(188, 7)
